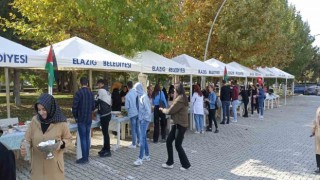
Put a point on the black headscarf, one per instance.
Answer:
(54, 114)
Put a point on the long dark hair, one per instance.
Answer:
(156, 91)
(180, 91)
(198, 90)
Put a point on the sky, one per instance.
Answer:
(310, 12)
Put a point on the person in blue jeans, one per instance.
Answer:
(131, 104)
(144, 117)
(197, 106)
(103, 104)
(82, 108)
(225, 99)
(261, 97)
(235, 101)
(159, 101)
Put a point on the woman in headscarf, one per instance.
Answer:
(179, 114)
(316, 133)
(48, 124)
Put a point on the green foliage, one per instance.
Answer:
(266, 33)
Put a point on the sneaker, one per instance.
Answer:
(82, 161)
(166, 166)
(222, 122)
(261, 117)
(138, 162)
(235, 121)
(209, 129)
(184, 169)
(138, 145)
(197, 132)
(317, 171)
(201, 132)
(216, 131)
(146, 158)
(132, 146)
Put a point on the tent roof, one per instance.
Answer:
(266, 72)
(281, 73)
(154, 63)
(76, 53)
(232, 71)
(197, 67)
(248, 72)
(15, 55)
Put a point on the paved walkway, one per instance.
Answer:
(279, 147)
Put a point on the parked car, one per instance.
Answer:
(299, 89)
(311, 90)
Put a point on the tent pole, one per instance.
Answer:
(90, 79)
(6, 73)
(285, 92)
(191, 107)
(292, 88)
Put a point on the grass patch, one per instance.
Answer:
(26, 111)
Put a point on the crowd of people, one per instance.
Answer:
(143, 107)
(49, 122)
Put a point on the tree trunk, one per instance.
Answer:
(16, 88)
(74, 82)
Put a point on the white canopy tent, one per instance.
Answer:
(281, 74)
(266, 73)
(248, 72)
(197, 67)
(76, 53)
(153, 63)
(14, 55)
(232, 71)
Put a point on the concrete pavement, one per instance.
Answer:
(278, 147)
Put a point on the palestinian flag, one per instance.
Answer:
(225, 74)
(50, 67)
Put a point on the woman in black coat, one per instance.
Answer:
(245, 99)
(7, 163)
(254, 99)
(116, 98)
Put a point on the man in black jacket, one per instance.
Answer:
(225, 99)
(103, 103)
(82, 108)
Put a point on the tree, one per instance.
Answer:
(261, 33)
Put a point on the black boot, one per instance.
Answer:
(317, 171)
(105, 154)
